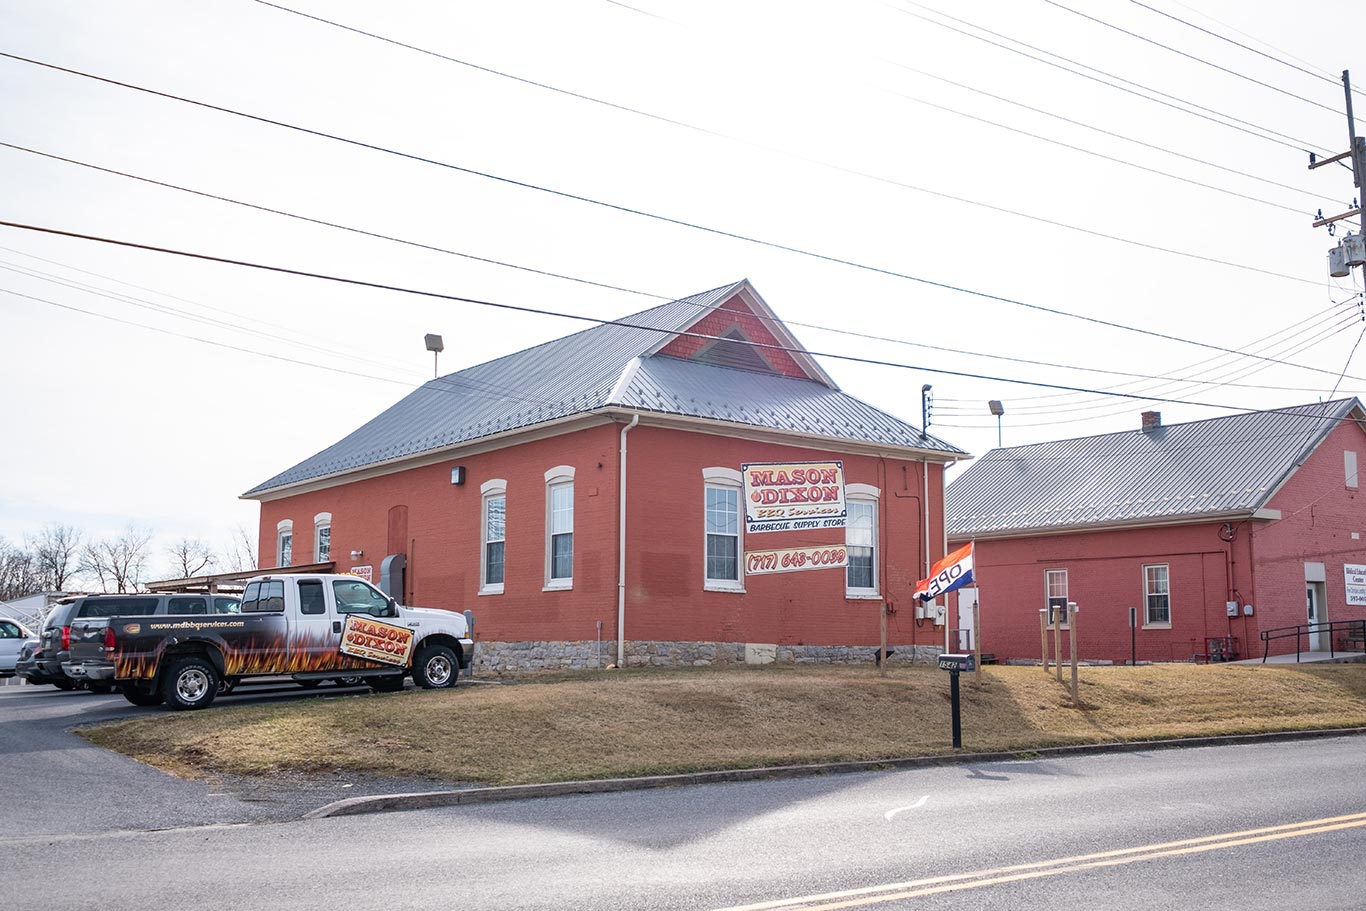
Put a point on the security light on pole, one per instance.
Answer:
(435, 347)
(997, 409)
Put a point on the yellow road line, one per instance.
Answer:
(852, 898)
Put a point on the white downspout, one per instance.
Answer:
(621, 549)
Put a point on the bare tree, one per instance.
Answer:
(241, 551)
(19, 574)
(118, 563)
(57, 550)
(190, 557)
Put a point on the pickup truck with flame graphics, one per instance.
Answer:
(310, 627)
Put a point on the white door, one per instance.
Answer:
(967, 600)
(1317, 617)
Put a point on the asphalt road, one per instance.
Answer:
(54, 782)
(1267, 826)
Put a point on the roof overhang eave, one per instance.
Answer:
(786, 437)
(1241, 515)
(567, 424)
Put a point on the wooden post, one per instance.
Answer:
(1043, 638)
(977, 637)
(1057, 640)
(1072, 619)
(882, 648)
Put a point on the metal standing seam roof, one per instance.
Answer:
(578, 373)
(1226, 465)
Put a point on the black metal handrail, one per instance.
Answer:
(1355, 628)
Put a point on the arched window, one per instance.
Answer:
(284, 543)
(559, 527)
(861, 541)
(492, 535)
(723, 522)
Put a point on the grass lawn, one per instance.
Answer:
(638, 722)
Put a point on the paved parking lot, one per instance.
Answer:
(56, 783)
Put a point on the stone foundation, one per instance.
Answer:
(495, 658)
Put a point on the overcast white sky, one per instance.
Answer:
(148, 388)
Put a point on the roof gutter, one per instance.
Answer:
(621, 547)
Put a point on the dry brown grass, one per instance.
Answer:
(660, 721)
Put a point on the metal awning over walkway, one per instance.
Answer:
(233, 581)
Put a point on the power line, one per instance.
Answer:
(580, 96)
(541, 311)
(1214, 34)
(661, 218)
(442, 384)
(572, 278)
(1197, 59)
(1173, 102)
(1101, 155)
(1332, 77)
(1110, 133)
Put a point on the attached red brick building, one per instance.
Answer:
(1216, 529)
(503, 489)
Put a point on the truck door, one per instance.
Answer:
(316, 635)
(352, 596)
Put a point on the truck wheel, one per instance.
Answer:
(64, 684)
(101, 688)
(389, 683)
(348, 681)
(143, 698)
(435, 667)
(189, 683)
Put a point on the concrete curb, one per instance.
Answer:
(384, 803)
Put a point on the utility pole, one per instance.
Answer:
(1351, 250)
(926, 403)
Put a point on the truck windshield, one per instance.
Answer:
(358, 598)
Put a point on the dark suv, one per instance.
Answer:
(44, 665)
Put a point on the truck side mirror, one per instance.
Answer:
(393, 608)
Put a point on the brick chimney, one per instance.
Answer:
(1152, 420)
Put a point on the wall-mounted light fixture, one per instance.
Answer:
(357, 554)
(458, 475)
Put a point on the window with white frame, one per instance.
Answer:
(322, 537)
(722, 518)
(1157, 597)
(284, 543)
(1055, 593)
(861, 541)
(559, 531)
(492, 535)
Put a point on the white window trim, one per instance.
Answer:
(494, 487)
(866, 493)
(282, 528)
(1161, 624)
(559, 476)
(1349, 469)
(320, 521)
(729, 479)
(1067, 576)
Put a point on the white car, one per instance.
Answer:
(12, 637)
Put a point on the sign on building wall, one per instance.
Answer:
(793, 496)
(796, 559)
(364, 572)
(1356, 582)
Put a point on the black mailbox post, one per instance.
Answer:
(954, 664)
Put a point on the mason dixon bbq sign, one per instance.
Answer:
(791, 496)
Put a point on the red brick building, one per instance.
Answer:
(584, 499)
(1216, 529)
